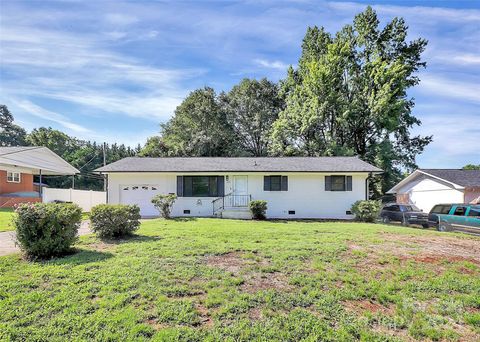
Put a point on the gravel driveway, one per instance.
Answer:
(7, 239)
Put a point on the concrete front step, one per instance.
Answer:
(236, 213)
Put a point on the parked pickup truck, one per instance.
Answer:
(405, 213)
(455, 217)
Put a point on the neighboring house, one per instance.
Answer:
(427, 187)
(18, 165)
(294, 187)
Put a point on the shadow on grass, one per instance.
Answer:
(183, 219)
(308, 220)
(78, 257)
(131, 238)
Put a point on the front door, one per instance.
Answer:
(240, 191)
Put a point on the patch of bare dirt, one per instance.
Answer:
(436, 250)
(255, 314)
(454, 249)
(205, 318)
(254, 280)
(364, 305)
(230, 262)
(265, 281)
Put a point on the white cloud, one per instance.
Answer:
(466, 59)
(78, 69)
(278, 65)
(442, 87)
(120, 19)
(48, 115)
(420, 12)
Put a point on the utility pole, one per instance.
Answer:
(104, 163)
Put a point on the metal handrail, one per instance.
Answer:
(230, 200)
(233, 200)
(216, 207)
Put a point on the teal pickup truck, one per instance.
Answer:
(455, 217)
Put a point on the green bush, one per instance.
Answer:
(164, 203)
(258, 209)
(44, 230)
(114, 220)
(366, 211)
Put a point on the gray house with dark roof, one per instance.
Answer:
(294, 187)
(427, 187)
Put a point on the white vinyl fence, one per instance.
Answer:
(86, 199)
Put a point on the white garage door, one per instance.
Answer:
(141, 195)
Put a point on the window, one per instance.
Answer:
(275, 183)
(409, 208)
(474, 212)
(338, 183)
(459, 211)
(13, 177)
(291, 212)
(441, 209)
(200, 186)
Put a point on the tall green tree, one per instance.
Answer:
(471, 167)
(10, 134)
(155, 147)
(199, 127)
(252, 107)
(55, 140)
(349, 96)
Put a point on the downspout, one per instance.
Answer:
(40, 190)
(105, 185)
(367, 186)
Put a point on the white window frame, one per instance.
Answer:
(14, 177)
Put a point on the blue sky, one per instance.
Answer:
(112, 71)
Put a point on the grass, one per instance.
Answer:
(226, 280)
(6, 215)
(5, 218)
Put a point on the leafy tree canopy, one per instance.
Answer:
(198, 127)
(252, 107)
(471, 167)
(10, 134)
(348, 96)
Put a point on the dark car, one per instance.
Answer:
(405, 213)
(456, 217)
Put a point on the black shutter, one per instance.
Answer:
(180, 186)
(266, 183)
(221, 186)
(284, 183)
(349, 183)
(328, 183)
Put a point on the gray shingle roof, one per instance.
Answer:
(218, 164)
(465, 178)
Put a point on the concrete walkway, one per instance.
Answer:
(7, 239)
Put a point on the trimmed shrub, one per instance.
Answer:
(45, 230)
(114, 220)
(164, 203)
(258, 209)
(366, 211)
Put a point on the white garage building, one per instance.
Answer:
(427, 187)
(294, 187)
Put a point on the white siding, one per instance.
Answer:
(426, 192)
(306, 194)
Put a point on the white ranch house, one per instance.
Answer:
(294, 187)
(427, 187)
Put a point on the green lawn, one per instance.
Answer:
(218, 280)
(5, 218)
